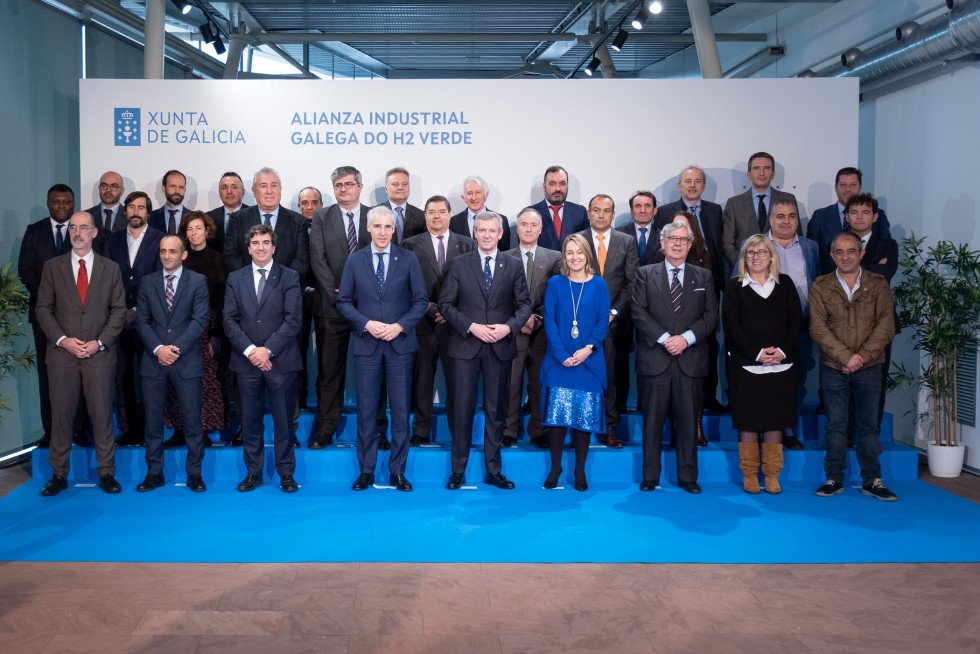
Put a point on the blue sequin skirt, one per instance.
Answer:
(567, 407)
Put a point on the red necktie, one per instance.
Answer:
(82, 280)
(557, 220)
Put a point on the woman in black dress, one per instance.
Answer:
(762, 318)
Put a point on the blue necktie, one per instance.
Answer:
(487, 276)
(642, 243)
(400, 222)
(59, 240)
(763, 214)
(262, 272)
(381, 269)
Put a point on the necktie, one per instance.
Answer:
(227, 220)
(399, 223)
(675, 289)
(268, 219)
(529, 269)
(602, 252)
(59, 240)
(642, 243)
(262, 272)
(845, 225)
(557, 220)
(108, 220)
(487, 275)
(381, 269)
(763, 214)
(172, 225)
(441, 254)
(169, 292)
(82, 280)
(351, 234)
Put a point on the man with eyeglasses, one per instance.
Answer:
(110, 214)
(338, 231)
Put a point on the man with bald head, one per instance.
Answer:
(231, 191)
(109, 214)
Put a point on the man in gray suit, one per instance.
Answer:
(748, 213)
(81, 307)
(675, 310)
(539, 265)
(617, 259)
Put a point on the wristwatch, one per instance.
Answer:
(614, 312)
(590, 345)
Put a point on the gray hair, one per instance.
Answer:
(489, 215)
(704, 178)
(670, 228)
(344, 171)
(395, 170)
(532, 211)
(319, 196)
(380, 210)
(479, 180)
(265, 170)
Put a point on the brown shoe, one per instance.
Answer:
(613, 442)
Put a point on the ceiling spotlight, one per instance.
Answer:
(642, 16)
(656, 7)
(593, 66)
(184, 7)
(850, 58)
(620, 40)
(212, 36)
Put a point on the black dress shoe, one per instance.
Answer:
(552, 480)
(691, 487)
(321, 440)
(109, 484)
(288, 484)
(400, 482)
(295, 441)
(497, 479)
(712, 404)
(580, 483)
(364, 481)
(646, 485)
(250, 483)
(44, 441)
(792, 443)
(456, 481)
(207, 441)
(540, 441)
(126, 438)
(383, 442)
(508, 441)
(151, 482)
(196, 483)
(176, 440)
(80, 439)
(238, 440)
(55, 485)
(415, 441)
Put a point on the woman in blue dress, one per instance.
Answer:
(573, 375)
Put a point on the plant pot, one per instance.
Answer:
(945, 460)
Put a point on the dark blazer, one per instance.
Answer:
(37, 248)
(825, 224)
(403, 299)
(881, 247)
(461, 226)
(181, 327)
(273, 324)
(622, 259)
(147, 260)
(218, 216)
(118, 217)
(421, 246)
(328, 249)
(741, 220)
(652, 242)
(711, 221)
(574, 218)
(546, 264)
(414, 221)
(653, 314)
(293, 241)
(160, 217)
(464, 301)
(60, 312)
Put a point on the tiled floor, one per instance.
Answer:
(501, 608)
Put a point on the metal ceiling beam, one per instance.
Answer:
(285, 38)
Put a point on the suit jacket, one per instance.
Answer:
(101, 242)
(653, 314)
(711, 222)
(218, 216)
(272, 323)
(825, 224)
(464, 300)
(60, 311)
(881, 247)
(37, 248)
(741, 220)
(293, 241)
(574, 218)
(421, 246)
(403, 299)
(546, 264)
(414, 221)
(622, 259)
(159, 218)
(461, 226)
(181, 327)
(147, 260)
(328, 249)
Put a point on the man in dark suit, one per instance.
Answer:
(44, 240)
(748, 213)
(310, 200)
(691, 183)
(558, 217)
(166, 219)
(539, 265)
(674, 310)
(262, 312)
(231, 190)
(409, 219)
(109, 214)
(171, 313)
(475, 192)
(382, 294)
(434, 249)
(81, 310)
(484, 297)
(137, 251)
(828, 222)
(616, 257)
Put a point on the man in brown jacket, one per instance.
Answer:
(852, 320)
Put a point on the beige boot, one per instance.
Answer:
(748, 461)
(772, 463)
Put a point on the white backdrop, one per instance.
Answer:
(613, 136)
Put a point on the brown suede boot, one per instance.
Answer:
(748, 461)
(772, 463)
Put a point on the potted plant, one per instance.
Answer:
(938, 299)
(13, 305)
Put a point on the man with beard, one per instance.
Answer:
(558, 217)
(137, 251)
(167, 218)
(231, 190)
(109, 215)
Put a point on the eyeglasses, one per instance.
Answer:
(80, 228)
(340, 185)
(761, 254)
(103, 186)
(675, 240)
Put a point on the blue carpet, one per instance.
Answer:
(610, 523)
